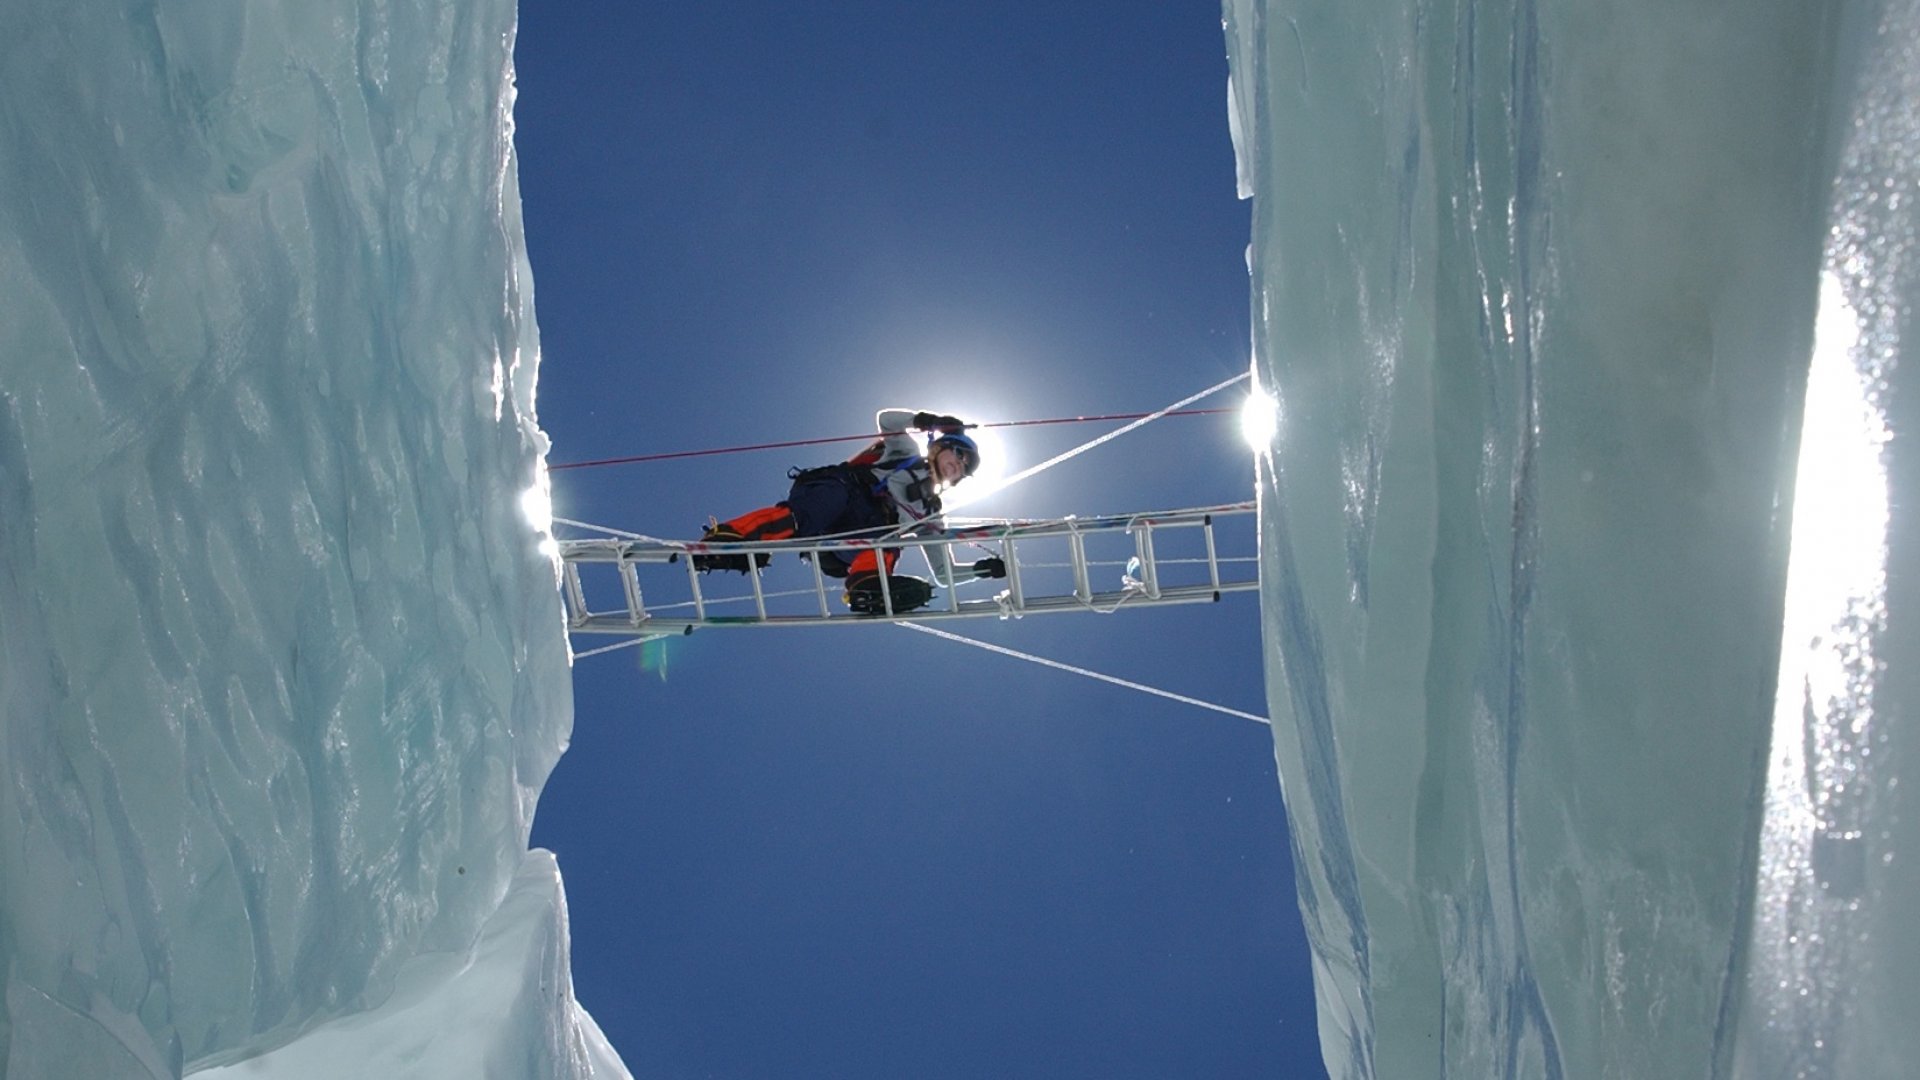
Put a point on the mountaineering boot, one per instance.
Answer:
(732, 560)
(769, 523)
(863, 593)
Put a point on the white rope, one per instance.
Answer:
(716, 601)
(1044, 662)
(619, 533)
(1196, 561)
(1001, 486)
(955, 521)
(609, 648)
(1117, 432)
(1086, 446)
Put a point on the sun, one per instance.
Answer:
(987, 478)
(1259, 419)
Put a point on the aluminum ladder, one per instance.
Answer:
(1036, 582)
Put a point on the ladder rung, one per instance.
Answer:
(576, 596)
(630, 583)
(1082, 588)
(1213, 558)
(820, 584)
(1015, 593)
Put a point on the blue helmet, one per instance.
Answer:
(954, 440)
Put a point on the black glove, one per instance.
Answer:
(993, 567)
(926, 421)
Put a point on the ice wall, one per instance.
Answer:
(1834, 966)
(1536, 284)
(488, 1013)
(281, 669)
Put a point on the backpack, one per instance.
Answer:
(868, 462)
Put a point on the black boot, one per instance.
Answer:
(863, 593)
(735, 561)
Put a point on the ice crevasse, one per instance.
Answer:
(282, 669)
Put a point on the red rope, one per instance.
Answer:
(867, 435)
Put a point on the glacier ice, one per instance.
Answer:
(488, 1012)
(1537, 285)
(281, 666)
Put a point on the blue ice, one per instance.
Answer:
(1584, 544)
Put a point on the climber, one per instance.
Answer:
(889, 485)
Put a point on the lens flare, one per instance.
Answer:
(536, 505)
(1259, 419)
(986, 479)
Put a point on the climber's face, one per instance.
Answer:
(949, 465)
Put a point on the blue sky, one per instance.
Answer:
(862, 852)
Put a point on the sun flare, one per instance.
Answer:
(1259, 419)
